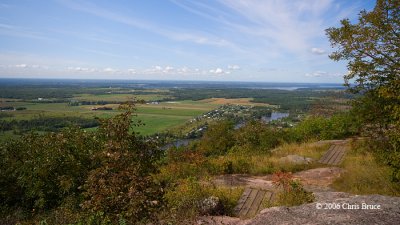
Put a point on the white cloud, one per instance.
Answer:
(318, 51)
(185, 70)
(14, 58)
(22, 32)
(271, 27)
(106, 70)
(234, 67)
(171, 70)
(323, 74)
(82, 69)
(286, 24)
(110, 70)
(169, 32)
(21, 66)
(316, 74)
(168, 69)
(154, 70)
(26, 66)
(132, 71)
(217, 71)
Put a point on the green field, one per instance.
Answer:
(157, 114)
(156, 117)
(118, 97)
(156, 123)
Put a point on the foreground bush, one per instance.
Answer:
(256, 136)
(188, 198)
(291, 191)
(338, 126)
(39, 171)
(218, 139)
(102, 176)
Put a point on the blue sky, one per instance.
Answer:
(235, 40)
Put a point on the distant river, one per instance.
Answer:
(274, 116)
(178, 143)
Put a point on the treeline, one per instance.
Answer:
(29, 92)
(46, 124)
(11, 108)
(35, 92)
(288, 100)
(60, 92)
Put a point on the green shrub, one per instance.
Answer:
(256, 136)
(108, 173)
(181, 163)
(185, 198)
(122, 183)
(291, 191)
(218, 139)
(46, 168)
(394, 155)
(387, 151)
(338, 126)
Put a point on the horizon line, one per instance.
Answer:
(164, 80)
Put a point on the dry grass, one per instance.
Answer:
(308, 149)
(268, 163)
(364, 175)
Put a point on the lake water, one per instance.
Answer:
(274, 116)
(178, 143)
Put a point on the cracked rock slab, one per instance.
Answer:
(344, 210)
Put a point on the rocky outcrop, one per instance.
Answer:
(295, 159)
(334, 208)
(329, 208)
(318, 179)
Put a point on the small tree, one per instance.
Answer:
(108, 172)
(218, 139)
(372, 48)
(122, 184)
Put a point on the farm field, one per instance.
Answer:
(118, 97)
(165, 107)
(156, 117)
(235, 101)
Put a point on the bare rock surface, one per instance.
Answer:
(242, 180)
(348, 209)
(296, 159)
(318, 179)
